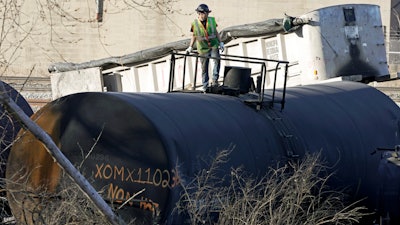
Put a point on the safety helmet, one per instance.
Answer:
(203, 8)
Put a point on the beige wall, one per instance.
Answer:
(77, 37)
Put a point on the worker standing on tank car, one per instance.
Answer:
(208, 43)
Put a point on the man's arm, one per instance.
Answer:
(218, 37)
(221, 44)
(192, 40)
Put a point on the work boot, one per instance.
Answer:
(204, 89)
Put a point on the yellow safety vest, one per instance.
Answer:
(206, 38)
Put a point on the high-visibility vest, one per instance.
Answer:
(206, 37)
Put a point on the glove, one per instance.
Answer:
(189, 50)
(222, 46)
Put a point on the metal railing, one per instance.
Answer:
(260, 89)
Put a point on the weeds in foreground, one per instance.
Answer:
(68, 206)
(296, 193)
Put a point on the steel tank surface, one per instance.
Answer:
(143, 139)
(9, 127)
(342, 40)
(128, 142)
(351, 124)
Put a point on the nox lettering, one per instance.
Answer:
(119, 195)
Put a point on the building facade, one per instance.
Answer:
(80, 31)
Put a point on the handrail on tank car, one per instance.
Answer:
(260, 89)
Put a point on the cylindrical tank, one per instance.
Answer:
(9, 127)
(342, 40)
(350, 123)
(127, 142)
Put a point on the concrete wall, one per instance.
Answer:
(88, 80)
(71, 33)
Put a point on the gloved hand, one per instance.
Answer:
(222, 46)
(189, 50)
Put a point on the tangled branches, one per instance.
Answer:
(296, 193)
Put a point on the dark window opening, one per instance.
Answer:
(349, 15)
